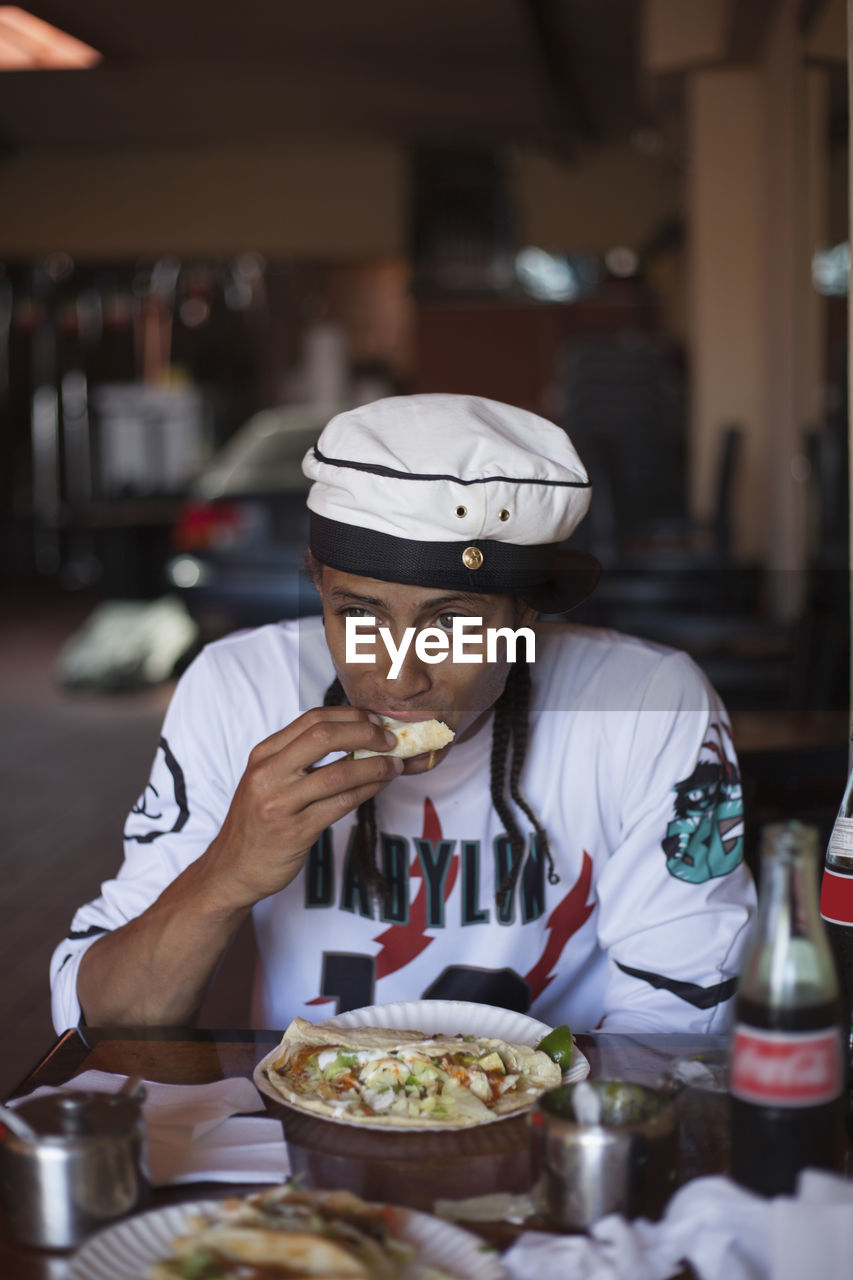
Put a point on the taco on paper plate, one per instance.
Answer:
(414, 738)
(406, 1079)
(287, 1231)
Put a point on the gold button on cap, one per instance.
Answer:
(472, 558)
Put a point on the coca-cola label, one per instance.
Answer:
(786, 1068)
(836, 897)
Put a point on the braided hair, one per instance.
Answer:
(509, 732)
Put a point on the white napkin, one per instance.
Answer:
(195, 1132)
(725, 1232)
(813, 1235)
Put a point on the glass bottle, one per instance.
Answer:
(786, 1071)
(836, 909)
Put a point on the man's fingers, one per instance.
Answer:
(295, 795)
(328, 811)
(329, 793)
(324, 737)
(323, 730)
(344, 776)
(340, 778)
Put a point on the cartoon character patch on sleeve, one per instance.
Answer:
(705, 837)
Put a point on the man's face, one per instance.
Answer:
(460, 694)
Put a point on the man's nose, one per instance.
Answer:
(406, 674)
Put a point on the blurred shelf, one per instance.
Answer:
(122, 513)
(778, 730)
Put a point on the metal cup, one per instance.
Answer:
(82, 1170)
(625, 1163)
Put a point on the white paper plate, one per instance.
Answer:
(449, 1016)
(127, 1250)
(434, 1017)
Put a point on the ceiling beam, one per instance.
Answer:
(750, 23)
(547, 22)
(808, 13)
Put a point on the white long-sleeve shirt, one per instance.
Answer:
(630, 769)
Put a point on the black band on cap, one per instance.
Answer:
(507, 568)
(550, 578)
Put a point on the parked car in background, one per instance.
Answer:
(240, 538)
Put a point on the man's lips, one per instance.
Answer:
(409, 717)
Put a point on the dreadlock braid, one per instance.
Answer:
(503, 729)
(510, 726)
(364, 840)
(521, 727)
(520, 679)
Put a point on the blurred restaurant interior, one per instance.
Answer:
(630, 216)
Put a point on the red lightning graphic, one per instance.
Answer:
(403, 942)
(566, 918)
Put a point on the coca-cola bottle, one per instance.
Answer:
(786, 1073)
(836, 909)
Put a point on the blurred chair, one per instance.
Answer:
(652, 542)
(822, 668)
(622, 409)
(677, 581)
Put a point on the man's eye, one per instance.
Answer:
(445, 620)
(356, 611)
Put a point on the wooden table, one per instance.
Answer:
(497, 1154)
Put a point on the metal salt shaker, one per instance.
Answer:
(81, 1170)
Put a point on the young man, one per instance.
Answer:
(576, 850)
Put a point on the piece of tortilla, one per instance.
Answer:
(537, 1072)
(327, 1234)
(414, 738)
(302, 1253)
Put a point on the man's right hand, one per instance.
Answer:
(286, 798)
(155, 969)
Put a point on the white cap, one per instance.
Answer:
(451, 490)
